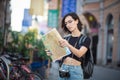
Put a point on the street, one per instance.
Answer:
(100, 73)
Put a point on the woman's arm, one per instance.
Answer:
(78, 52)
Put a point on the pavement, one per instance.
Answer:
(104, 73)
(100, 73)
(53, 74)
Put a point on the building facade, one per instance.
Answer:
(108, 15)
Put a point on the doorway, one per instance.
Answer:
(110, 38)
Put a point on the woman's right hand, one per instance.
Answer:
(63, 43)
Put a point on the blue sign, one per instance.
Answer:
(68, 6)
(27, 21)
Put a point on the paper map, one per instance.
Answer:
(51, 42)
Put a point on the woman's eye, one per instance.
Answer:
(70, 21)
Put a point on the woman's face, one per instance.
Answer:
(71, 24)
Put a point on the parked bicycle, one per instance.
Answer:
(4, 67)
(17, 69)
(2, 70)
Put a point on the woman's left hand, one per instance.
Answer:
(49, 53)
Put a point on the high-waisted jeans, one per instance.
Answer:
(76, 72)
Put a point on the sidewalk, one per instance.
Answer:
(103, 73)
(100, 73)
(53, 75)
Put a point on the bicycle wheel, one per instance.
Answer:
(3, 71)
(33, 76)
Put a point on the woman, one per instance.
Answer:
(71, 24)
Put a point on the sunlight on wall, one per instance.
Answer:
(18, 13)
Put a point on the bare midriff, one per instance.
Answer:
(71, 61)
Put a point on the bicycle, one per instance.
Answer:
(4, 67)
(2, 70)
(21, 72)
(18, 70)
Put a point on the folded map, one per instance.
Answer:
(51, 42)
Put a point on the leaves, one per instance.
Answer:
(24, 44)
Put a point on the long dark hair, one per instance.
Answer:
(75, 17)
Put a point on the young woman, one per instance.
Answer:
(71, 24)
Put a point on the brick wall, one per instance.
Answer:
(93, 8)
(109, 2)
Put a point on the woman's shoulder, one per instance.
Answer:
(67, 36)
(85, 37)
(85, 40)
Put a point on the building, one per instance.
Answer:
(108, 15)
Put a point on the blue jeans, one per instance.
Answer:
(76, 72)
